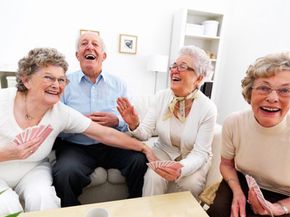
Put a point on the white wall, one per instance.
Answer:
(26, 24)
(254, 28)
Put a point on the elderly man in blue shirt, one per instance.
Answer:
(93, 92)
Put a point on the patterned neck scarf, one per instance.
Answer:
(181, 100)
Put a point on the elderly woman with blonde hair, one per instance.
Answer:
(31, 118)
(184, 119)
(256, 145)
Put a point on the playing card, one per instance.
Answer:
(253, 184)
(41, 128)
(161, 163)
(46, 132)
(25, 134)
(18, 139)
(33, 132)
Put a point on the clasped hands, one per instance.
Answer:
(107, 119)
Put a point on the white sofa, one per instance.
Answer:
(109, 184)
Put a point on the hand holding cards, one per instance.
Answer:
(270, 207)
(170, 170)
(162, 163)
(30, 133)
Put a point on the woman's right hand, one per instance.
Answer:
(238, 208)
(128, 112)
(15, 151)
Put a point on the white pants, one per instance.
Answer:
(35, 190)
(154, 184)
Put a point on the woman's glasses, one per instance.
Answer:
(62, 81)
(181, 68)
(266, 90)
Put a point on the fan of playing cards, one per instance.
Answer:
(266, 204)
(162, 163)
(33, 132)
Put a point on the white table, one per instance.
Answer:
(181, 204)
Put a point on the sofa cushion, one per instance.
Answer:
(214, 174)
(99, 176)
(115, 176)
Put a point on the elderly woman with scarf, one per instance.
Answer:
(184, 119)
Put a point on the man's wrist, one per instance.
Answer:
(144, 148)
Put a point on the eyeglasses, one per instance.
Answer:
(62, 81)
(181, 68)
(266, 90)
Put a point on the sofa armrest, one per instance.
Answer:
(214, 174)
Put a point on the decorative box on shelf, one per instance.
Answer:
(194, 29)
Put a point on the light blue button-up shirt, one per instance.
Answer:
(87, 97)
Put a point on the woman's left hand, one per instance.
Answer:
(255, 204)
(170, 173)
(257, 207)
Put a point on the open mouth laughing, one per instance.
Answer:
(90, 57)
(52, 92)
(175, 78)
(270, 109)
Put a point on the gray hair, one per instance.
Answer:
(201, 61)
(35, 59)
(97, 36)
(264, 67)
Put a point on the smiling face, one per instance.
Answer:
(270, 109)
(184, 82)
(46, 84)
(90, 54)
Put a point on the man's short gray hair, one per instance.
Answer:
(98, 37)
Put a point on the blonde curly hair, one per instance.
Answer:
(36, 58)
(264, 67)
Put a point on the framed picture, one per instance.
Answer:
(82, 31)
(128, 44)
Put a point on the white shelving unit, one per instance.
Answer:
(188, 30)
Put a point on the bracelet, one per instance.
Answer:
(285, 209)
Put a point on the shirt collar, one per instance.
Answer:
(81, 76)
